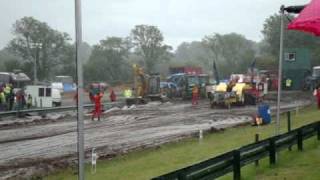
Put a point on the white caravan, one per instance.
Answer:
(43, 96)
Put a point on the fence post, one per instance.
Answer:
(300, 140)
(289, 120)
(272, 151)
(289, 124)
(236, 165)
(318, 130)
(256, 140)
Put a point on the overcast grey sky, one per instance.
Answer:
(179, 20)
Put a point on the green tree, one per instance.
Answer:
(108, 61)
(230, 50)
(67, 65)
(148, 42)
(36, 40)
(192, 53)
(8, 61)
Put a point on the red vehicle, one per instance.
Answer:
(186, 70)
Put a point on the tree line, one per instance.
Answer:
(111, 58)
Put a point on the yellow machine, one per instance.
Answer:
(140, 82)
(227, 98)
(145, 86)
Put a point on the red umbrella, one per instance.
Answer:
(308, 20)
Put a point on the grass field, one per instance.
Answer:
(153, 162)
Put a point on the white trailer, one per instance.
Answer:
(43, 96)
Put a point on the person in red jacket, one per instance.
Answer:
(195, 95)
(97, 106)
(112, 96)
(316, 93)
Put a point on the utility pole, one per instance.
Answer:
(277, 129)
(80, 124)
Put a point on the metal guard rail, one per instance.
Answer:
(57, 109)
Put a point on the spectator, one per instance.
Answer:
(316, 93)
(2, 100)
(11, 99)
(29, 101)
(195, 95)
(112, 96)
(97, 106)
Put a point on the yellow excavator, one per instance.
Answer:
(146, 86)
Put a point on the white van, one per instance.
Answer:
(43, 96)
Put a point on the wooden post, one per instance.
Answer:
(289, 120)
(318, 130)
(236, 165)
(289, 125)
(256, 163)
(272, 151)
(300, 140)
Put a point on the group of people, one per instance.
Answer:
(10, 100)
(6, 97)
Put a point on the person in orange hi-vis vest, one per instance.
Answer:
(97, 106)
(195, 95)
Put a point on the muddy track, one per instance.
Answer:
(49, 144)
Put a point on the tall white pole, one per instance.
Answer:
(79, 90)
(277, 129)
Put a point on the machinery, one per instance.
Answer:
(146, 87)
(203, 82)
(313, 81)
(242, 89)
(229, 94)
(185, 83)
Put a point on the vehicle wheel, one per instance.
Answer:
(56, 104)
(209, 95)
(242, 100)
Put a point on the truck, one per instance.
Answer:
(313, 81)
(186, 70)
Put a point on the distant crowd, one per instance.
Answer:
(10, 100)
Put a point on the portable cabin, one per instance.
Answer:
(296, 66)
(43, 96)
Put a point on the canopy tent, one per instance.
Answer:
(308, 20)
